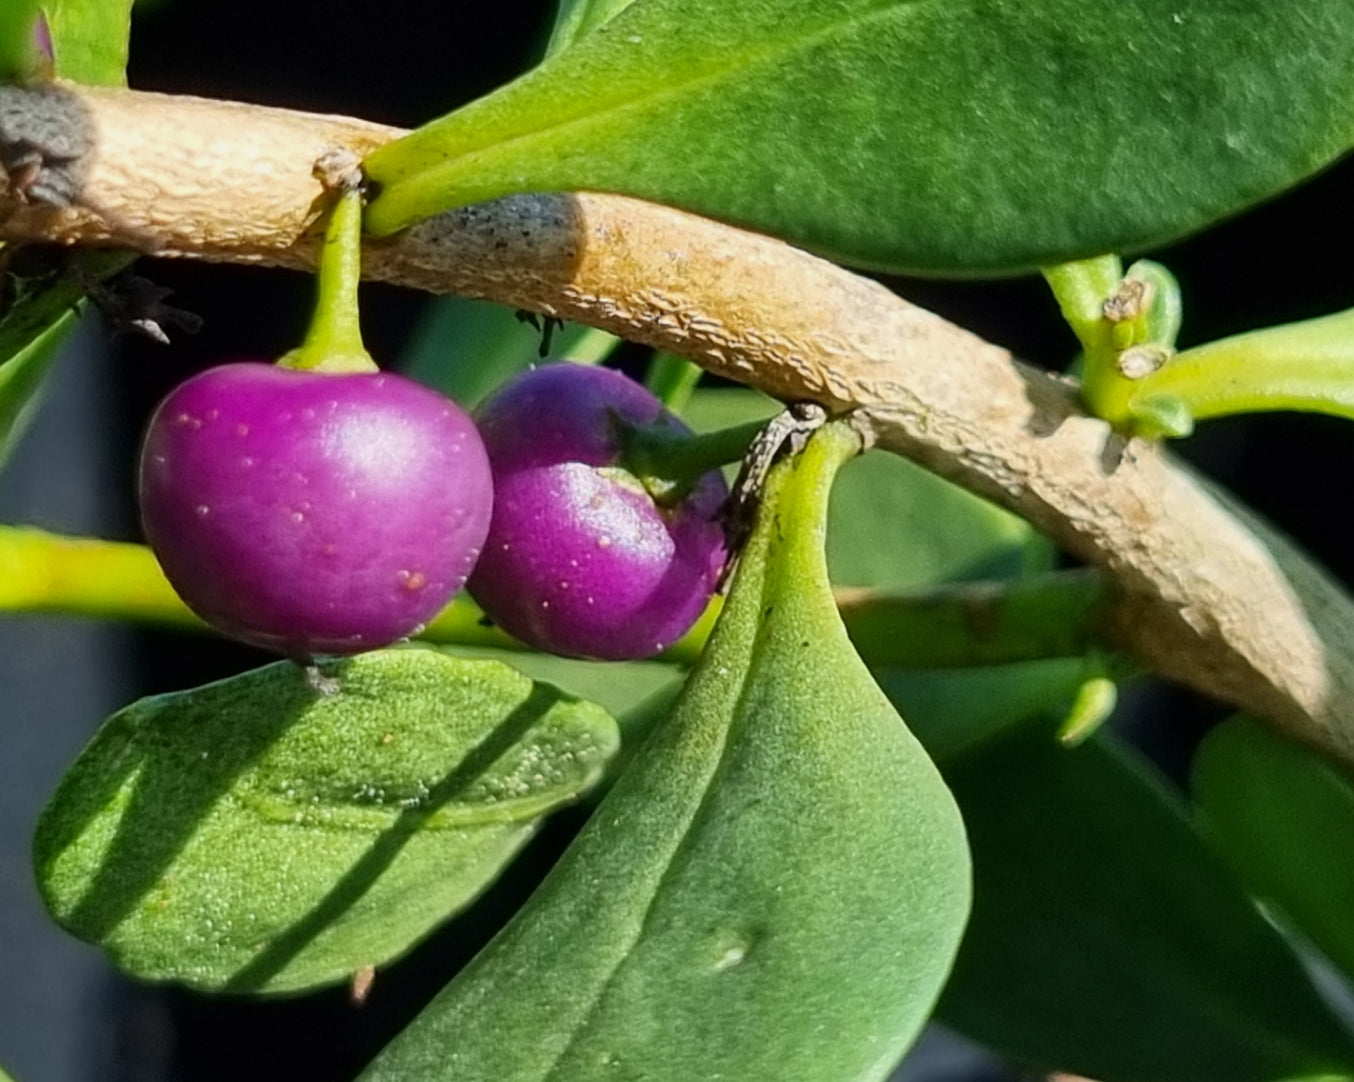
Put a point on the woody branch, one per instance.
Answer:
(1204, 593)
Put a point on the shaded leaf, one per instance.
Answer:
(957, 711)
(893, 523)
(256, 834)
(924, 135)
(777, 882)
(1284, 816)
(466, 348)
(22, 377)
(1108, 939)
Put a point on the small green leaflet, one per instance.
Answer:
(934, 136)
(778, 882)
(258, 835)
(1283, 815)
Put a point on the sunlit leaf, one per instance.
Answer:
(18, 53)
(89, 39)
(578, 18)
(1284, 816)
(258, 834)
(1108, 939)
(776, 884)
(923, 135)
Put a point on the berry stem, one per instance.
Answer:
(669, 462)
(333, 341)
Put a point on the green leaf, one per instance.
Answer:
(578, 18)
(257, 834)
(954, 712)
(32, 329)
(89, 42)
(17, 52)
(23, 374)
(778, 881)
(466, 348)
(895, 524)
(90, 39)
(1284, 816)
(1107, 937)
(922, 135)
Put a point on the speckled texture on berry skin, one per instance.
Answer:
(579, 560)
(313, 513)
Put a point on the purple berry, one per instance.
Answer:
(580, 559)
(310, 512)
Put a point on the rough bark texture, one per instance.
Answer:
(1206, 594)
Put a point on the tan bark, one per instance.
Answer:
(1207, 595)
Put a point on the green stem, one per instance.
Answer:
(1298, 366)
(668, 463)
(334, 340)
(1081, 289)
(954, 626)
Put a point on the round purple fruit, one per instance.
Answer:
(581, 558)
(312, 512)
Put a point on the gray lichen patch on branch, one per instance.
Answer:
(46, 138)
(1206, 594)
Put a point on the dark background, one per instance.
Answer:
(402, 63)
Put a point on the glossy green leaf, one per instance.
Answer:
(923, 135)
(1108, 939)
(90, 39)
(258, 834)
(466, 348)
(1284, 816)
(777, 883)
(4, 1076)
